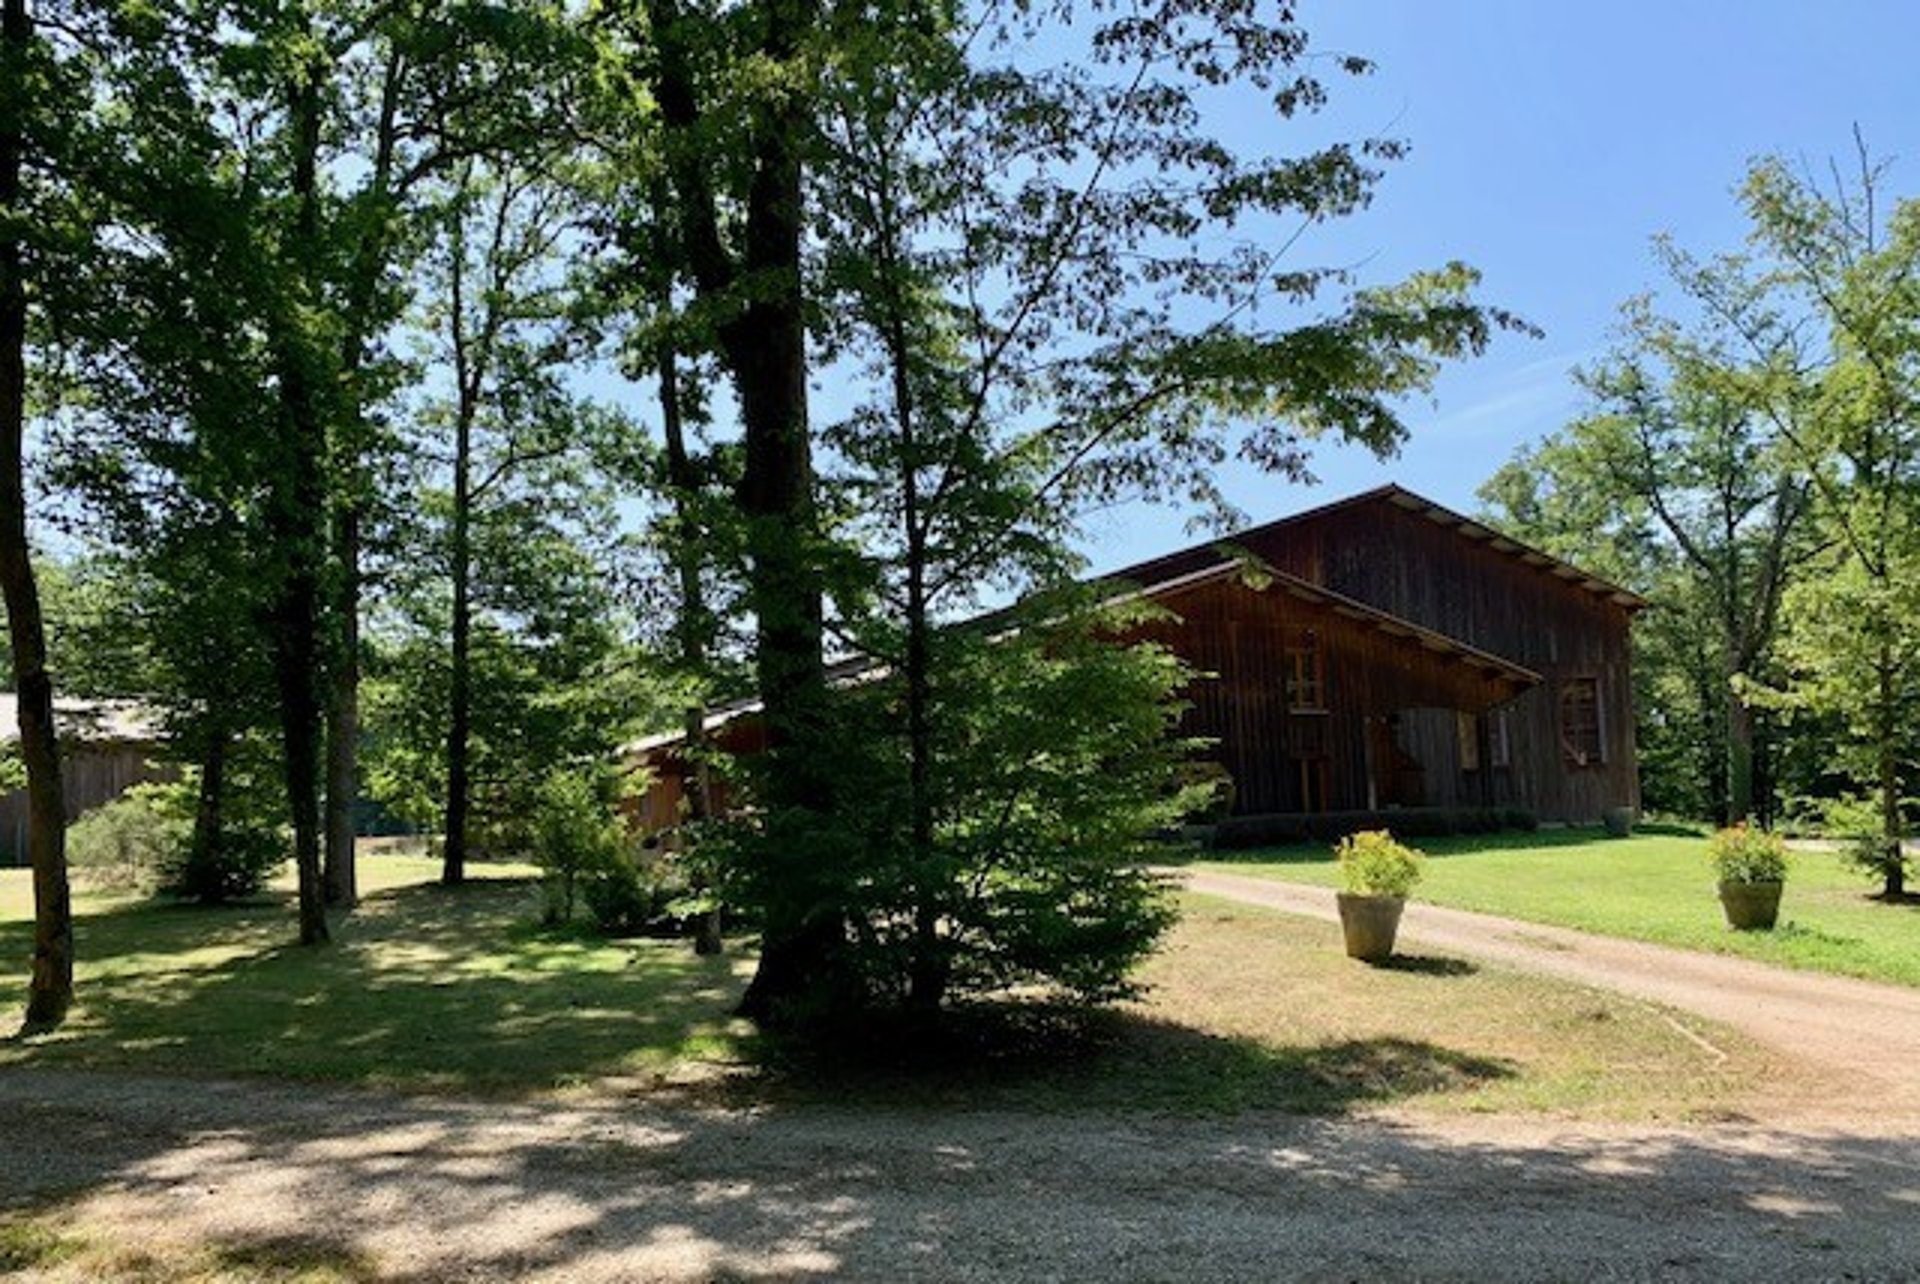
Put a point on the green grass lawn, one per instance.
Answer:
(422, 987)
(1655, 886)
(430, 989)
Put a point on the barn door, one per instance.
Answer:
(1395, 778)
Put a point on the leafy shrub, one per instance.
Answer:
(144, 841)
(577, 841)
(127, 844)
(1055, 761)
(619, 897)
(1742, 854)
(1856, 823)
(238, 867)
(1373, 863)
(236, 856)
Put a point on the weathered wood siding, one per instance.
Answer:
(1402, 562)
(1238, 637)
(1403, 725)
(89, 776)
(663, 778)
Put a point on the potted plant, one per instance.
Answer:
(1752, 867)
(1377, 873)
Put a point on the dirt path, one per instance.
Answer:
(375, 1188)
(1865, 1031)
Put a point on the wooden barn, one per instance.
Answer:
(1402, 655)
(106, 746)
(1377, 653)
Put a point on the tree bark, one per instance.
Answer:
(683, 481)
(764, 346)
(343, 708)
(209, 813)
(50, 989)
(343, 719)
(297, 518)
(453, 867)
(1739, 757)
(928, 971)
(1892, 825)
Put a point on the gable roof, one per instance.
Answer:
(1371, 617)
(1500, 542)
(1181, 562)
(1255, 576)
(91, 722)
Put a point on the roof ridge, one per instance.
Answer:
(1411, 501)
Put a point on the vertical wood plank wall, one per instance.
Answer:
(1237, 638)
(89, 775)
(1403, 563)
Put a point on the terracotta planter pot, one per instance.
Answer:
(1370, 924)
(1751, 907)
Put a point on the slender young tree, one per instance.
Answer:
(1045, 336)
(50, 990)
(1682, 458)
(1845, 266)
(686, 538)
(503, 324)
(1001, 276)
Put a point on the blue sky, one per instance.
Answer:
(1550, 142)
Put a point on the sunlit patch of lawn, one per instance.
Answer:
(421, 987)
(1433, 1031)
(1655, 886)
(1249, 1009)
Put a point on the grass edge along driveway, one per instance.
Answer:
(1655, 886)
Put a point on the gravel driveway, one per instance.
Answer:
(623, 1189)
(605, 1187)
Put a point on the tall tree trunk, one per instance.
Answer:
(801, 942)
(683, 480)
(343, 708)
(767, 353)
(1739, 756)
(1892, 824)
(343, 718)
(453, 868)
(209, 813)
(764, 346)
(50, 990)
(297, 517)
(928, 974)
(928, 970)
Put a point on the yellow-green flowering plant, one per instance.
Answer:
(1373, 863)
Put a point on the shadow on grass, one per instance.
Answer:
(428, 987)
(421, 987)
(298, 1259)
(1045, 1058)
(27, 1244)
(1429, 965)
(458, 989)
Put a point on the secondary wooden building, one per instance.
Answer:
(1376, 653)
(106, 748)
